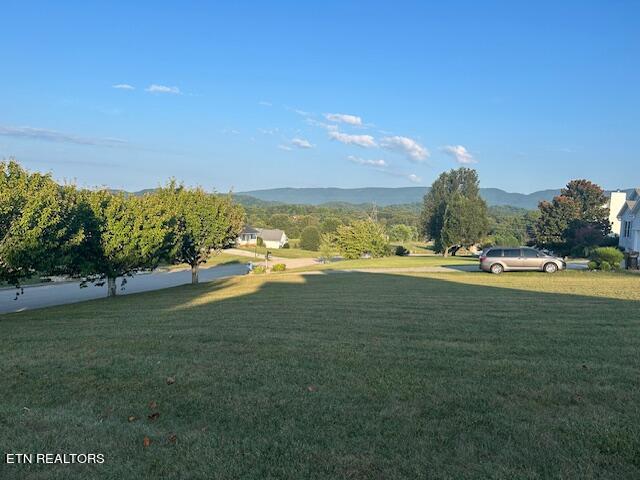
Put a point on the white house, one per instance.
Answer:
(629, 217)
(271, 238)
(615, 204)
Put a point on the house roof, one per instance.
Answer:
(247, 229)
(629, 206)
(270, 235)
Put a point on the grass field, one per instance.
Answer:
(353, 375)
(396, 262)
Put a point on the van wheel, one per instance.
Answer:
(497, 268)
(550, 268)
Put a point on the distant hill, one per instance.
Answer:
(389, 196)
(381, 196)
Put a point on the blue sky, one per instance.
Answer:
(248, 95)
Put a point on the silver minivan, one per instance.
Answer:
(505, 259)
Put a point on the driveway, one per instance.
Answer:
(70, 292)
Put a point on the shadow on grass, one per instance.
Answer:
(358, 375)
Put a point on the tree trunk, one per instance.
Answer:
(111, 287)
(446, 251)
(194, 274)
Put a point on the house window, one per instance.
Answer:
(626, 229)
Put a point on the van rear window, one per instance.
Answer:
(494, 253)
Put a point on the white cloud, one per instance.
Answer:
(123, 86)
(460, 153)
(265, 104)
(365, 141)
(364, 161)
(286, 148)
(406, 146)
(53, 136)
(343, 118)
(153, 88)
(301, 143)
(412, 177)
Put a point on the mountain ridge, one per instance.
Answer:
(384, 196)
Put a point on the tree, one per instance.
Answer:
(577, 219)
(201, 223)
(465, 222)
(41, 224)
(555, 218)
(360, 238)
(330, 224)
(310, 238)
(402, 233)
(126, 234)
(461, 187)
(592, 201)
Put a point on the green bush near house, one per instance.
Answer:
(259, 269)
(609, 256)
(279, 267)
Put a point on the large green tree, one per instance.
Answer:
(126, 234)
(575, 219)
(454, 199)
(310, 238)
(41, 225)
(360, 238)
(201, 224)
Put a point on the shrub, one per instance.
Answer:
(279, 267)
(286, 245)
(609, 255)
(605, 266)
(259, 269)
(310, 239)
(401, 251)
(592, 265)
(260, 242)
(362, 237)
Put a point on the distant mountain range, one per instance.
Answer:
(388, 196)
(379, 195)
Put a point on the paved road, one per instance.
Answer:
(70, 292)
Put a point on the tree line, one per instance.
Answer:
(98, 235)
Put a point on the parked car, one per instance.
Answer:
(505, 259)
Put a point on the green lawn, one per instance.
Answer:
(353, 375)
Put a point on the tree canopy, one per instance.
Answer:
(575, 220)
(453, 212)
(362, 237)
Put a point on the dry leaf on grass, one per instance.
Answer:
(146, 442)
(173, 438)
(132, 418)
(312, 388)
(154, 416)
(171, 380)
(153, 405)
